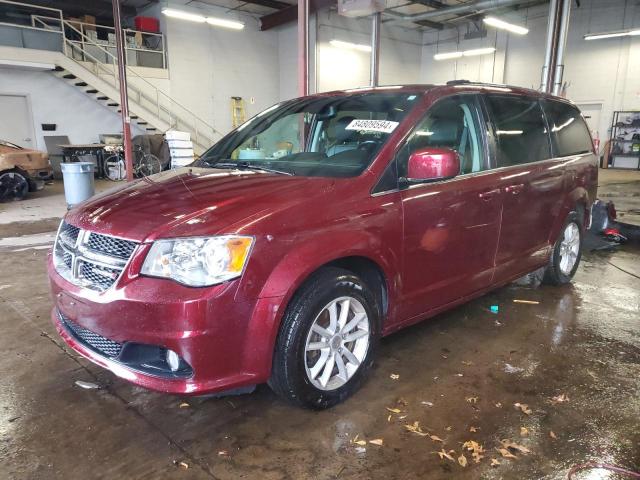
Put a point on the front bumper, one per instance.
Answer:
(226, 342)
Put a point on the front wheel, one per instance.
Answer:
(566, 253)
(327, 340)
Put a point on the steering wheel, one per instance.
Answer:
(368, 144)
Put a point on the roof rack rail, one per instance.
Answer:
(458, 82)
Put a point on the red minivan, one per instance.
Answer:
(321, 224)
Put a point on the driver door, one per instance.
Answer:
(451, 227)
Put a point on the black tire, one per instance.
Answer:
(553, 274)
(288, 377)
(13, 185)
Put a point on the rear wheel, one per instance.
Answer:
(327, 340)
(13, 185)
(566, 254)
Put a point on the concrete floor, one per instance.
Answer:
(465, 368)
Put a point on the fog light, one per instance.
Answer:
(173, 360)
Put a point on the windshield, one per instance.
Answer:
(335, 136)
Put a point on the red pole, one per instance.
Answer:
(124, 98)
(303, 48)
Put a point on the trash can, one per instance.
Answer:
(78, 182)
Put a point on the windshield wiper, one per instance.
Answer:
(248, 166)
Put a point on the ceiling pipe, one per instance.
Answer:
(454, 10)
(375, 49)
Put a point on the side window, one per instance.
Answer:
(569, 132)
(520, 129)
(454, 123)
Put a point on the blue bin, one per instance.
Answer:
(78, 182)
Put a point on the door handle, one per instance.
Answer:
(489, 194)
(514, 189)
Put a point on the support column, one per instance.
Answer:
(375, 49)
(557, 29)
(562, 44)
(124, 97)
(303, 47)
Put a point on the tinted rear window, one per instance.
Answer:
(569, 132)
(520, 130)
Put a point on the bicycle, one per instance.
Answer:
(144, 164)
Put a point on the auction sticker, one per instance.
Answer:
(384, 126)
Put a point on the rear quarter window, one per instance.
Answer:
(569, 132)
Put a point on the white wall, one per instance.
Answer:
(599, 72)
(52, 100)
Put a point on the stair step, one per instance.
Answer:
(58, 69)
(143, 123)
(103, 98)
(134, 117)
(93, 90)
(112, 104)
(81, 84)
(69, 76)
(151, 129)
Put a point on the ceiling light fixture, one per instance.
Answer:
(622, 33)
(466, 53)
(350, 46)
(192, 17)
(511, 27)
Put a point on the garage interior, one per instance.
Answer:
(528, 381)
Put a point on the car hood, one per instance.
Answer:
(191, 202)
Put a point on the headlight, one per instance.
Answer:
(198, 261)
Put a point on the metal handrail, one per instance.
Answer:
(158, 93)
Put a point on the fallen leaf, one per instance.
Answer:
(524, 431)
(360, 450)
(356, 441)
(444, 454)
(514, 446)
(498, 405)
(472, 399)
(402, 417)
(474, 429)
(394, 410)
(459, 375)
(435, 438)
(464, 362)
(377, 441)
(389, 418)
(562, 398)
(184, 405)
(495, 462)
(415, 428)
(444, 356)
(462, 460)
(552, 435)
(528, 302)
(476, 449)
(394, 376)
(506, 453)
(223, 453)
(427, 404)
(184, 465)
(448, 429)
(524, 408)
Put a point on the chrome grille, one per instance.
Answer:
(88, 259)
(96, 342)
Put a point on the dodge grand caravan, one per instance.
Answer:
(315, 228)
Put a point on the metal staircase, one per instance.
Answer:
(150, 108)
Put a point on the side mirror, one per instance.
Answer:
(431, 164)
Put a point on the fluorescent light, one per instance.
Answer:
(511, 27)
(465, 53)
(509, 132)
(193, 17)
(624, 33)
(350, 46)
(447, 56)
(219, 22)
(478, 51)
